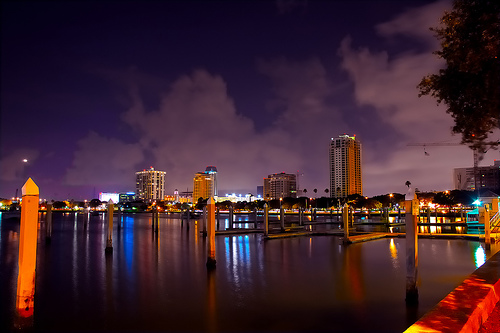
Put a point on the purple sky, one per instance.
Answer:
(93, 91)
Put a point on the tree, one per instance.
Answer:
(94, 203)
(470, 83)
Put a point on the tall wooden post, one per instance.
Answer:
(48, 220)
(109, 243)
(157, 222)
(255, 217)
(210, 209)
(266, 219)
(345, 218)
(484, 218)
(412, 210)
(27, 255)
(218, 218)
(204, 219)
(301, 221)
(231, 217)
(282, 218)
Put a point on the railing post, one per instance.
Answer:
(25, 300)
(412, 210)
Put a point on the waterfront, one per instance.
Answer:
(160, 281)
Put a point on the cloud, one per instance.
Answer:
(107, 162)
(288, 6)
(415, 22)
(386, 83)
(196, 124)
(12, 166)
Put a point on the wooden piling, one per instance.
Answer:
(109, 243)
(210, 209)
(345, 218)
(255, 217)
(266, 219)
(204, 219)
(282, 218)
(25, 299)
(231, 216)
(48, 220)
(218, 218)
(411, 219)
(484, 218)
(301, 216)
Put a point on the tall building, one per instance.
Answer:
(150, 184)
(280, 185)
(488, 178)
(345, 166)
(205, 184)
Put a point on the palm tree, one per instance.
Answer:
(315, 191)
(304, 190)
(408, 183)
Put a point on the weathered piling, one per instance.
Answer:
(266, 219)
(484, 218)
(301, 216)
(48, 220)
(412, 210)
(109, 242)
(218, 218)
(210, 209)
(231, 216)
(204, 219)
(255, 217)
(345, 218)
(282, 218)
(25, 299)
(153, 218)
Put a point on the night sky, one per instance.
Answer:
(93, 91)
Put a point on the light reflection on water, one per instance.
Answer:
(158, 281)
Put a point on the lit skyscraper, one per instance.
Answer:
(205, 184)
(280, 185)
(150, 184)
(345, 166)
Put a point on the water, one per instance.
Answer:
(159, 282)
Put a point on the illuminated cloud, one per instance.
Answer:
(13, 168)
(102, 161)
(386, 82)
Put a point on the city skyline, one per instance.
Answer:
(94, 91)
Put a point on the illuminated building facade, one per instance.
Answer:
(345, 166)
(488, 178)
(150, 184)
(280, 185)
(205, 184)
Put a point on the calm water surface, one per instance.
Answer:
(159, 282)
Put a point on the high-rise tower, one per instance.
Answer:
(150, 184)
(345, 166)
(280, 185)
(205, 184)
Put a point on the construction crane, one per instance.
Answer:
(477, 156)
